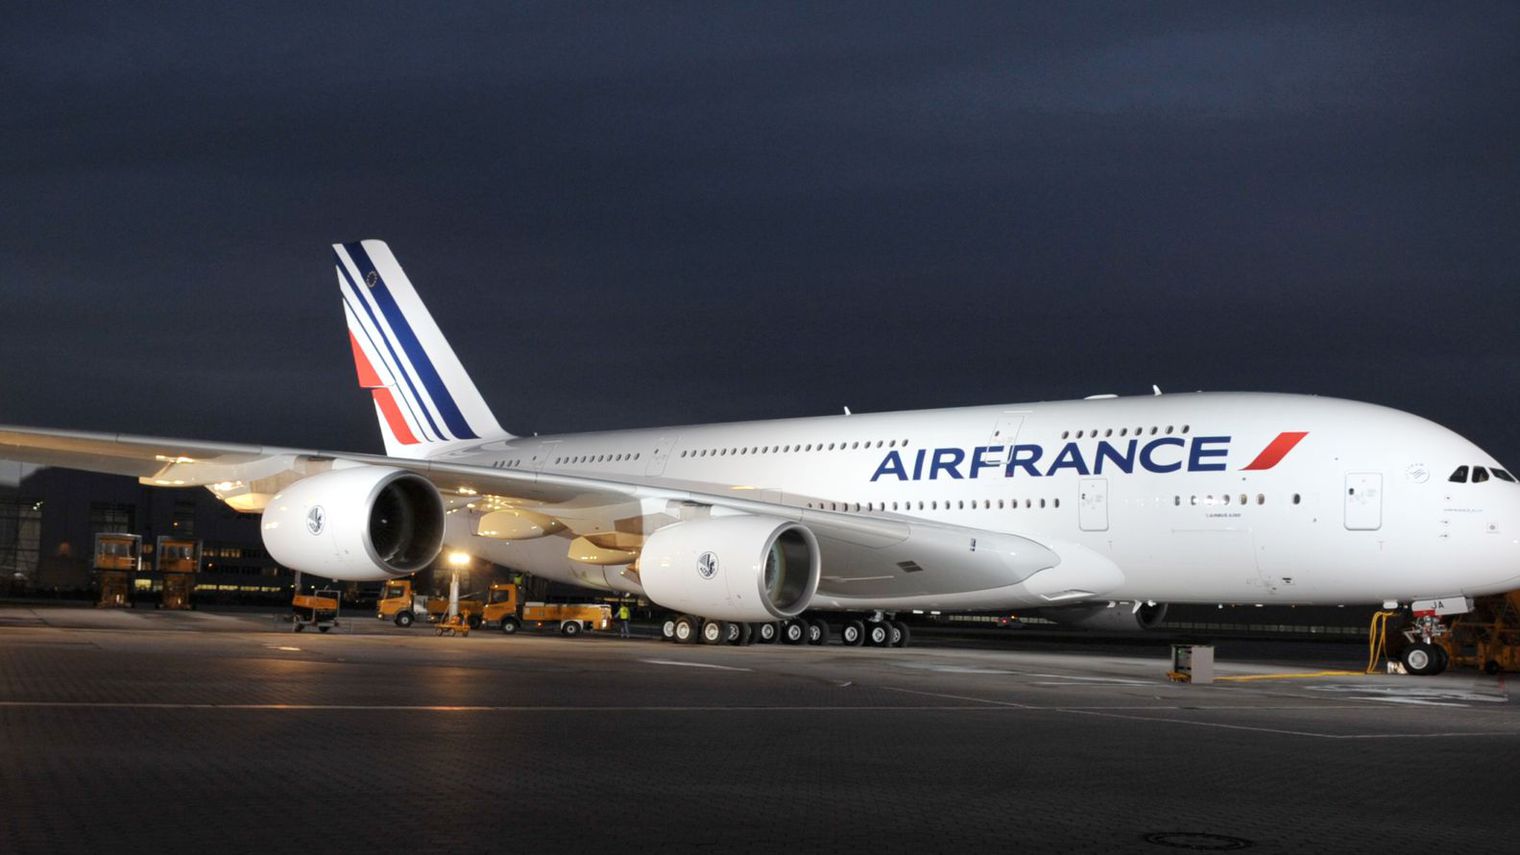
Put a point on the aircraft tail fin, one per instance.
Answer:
(424, 399)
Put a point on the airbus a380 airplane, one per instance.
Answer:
(1097, 510)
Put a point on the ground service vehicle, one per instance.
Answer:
(504, 610)
(399, 603)
(318, 609)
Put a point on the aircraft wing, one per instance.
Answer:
(867, 556)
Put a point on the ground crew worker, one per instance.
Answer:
(623, 615)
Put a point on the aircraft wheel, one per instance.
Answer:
(714, 632)
(1423, 659)
(746, 635)
(878, 634)
(853, 633)
(404, 618)
(668, 630)
(817, 631)
(686, 629)
(732, 632)
(766, 633)
(903, 634)
(794, 632)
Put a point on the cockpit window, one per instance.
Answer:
(1459, 476)
(1479, 474)
(1503, 475)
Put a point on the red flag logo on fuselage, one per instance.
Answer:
(1277, 449)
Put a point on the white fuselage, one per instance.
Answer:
(1195, 498)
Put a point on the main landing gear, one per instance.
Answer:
(878, 631)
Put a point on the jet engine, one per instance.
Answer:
(1121, 617)
(739, 568)
(356, 525)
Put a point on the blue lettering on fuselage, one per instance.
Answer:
(1160, 455)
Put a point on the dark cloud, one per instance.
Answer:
(647, 214)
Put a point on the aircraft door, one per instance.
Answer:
(1364, 501)
(544, 454)
(661, 454)
(1092, 504)
(1004, 433)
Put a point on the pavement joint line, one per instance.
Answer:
(474, 708)
(1303, 675)
(1105, 713)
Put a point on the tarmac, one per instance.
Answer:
(227, 732)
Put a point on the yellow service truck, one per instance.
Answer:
(399, 603)
(504, 610)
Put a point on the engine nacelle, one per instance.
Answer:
(356, 525)
(1121, 617)
(740, 568)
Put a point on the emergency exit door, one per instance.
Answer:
(1364, 501)
(1092, 504)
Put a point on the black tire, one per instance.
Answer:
(473, 621)
(732, 632)
(570, 628)
(668, 629)
(794, 632)
(323, 628)
(768, 632)
(746, 635)
(818, 631)
(878, 633)
(904, 635)
(686, 629)
(894, 639)
(1423, 659)
(404, 618)
(1491, 667)
(714, 632)
(299, 626)
(853, 633)
(510, 626)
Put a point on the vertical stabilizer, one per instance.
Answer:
(423, 398)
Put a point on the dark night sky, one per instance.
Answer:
(648, 214)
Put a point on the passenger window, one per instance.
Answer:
(1459, 476)
(1503, 475)
(1479, 474)
(1297, 498)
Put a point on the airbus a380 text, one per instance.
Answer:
(1099, 510)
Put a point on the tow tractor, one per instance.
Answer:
(1488, 637)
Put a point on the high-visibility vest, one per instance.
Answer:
(622, 613)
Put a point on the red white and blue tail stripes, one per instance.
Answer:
(422, 394)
